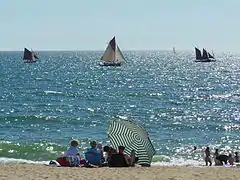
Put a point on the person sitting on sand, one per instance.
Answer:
(121, 151)
(236, 158)
(72, 154)
(100, 150)
(109, 151)
(119, 159)
(92, 155)
(216, 154)
(133, 157)
(208, 157)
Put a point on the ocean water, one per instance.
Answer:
(67, 95)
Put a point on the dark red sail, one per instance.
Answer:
(205, 54)
(27, 54)
(113, 44)
(198, 54)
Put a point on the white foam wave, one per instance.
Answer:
(179, 162)
(52, 92)
(4, 160)
(173, 162)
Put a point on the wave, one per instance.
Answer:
(5, 160)
(179, 162)
(52, 92)
(42, 153)
(173, 162)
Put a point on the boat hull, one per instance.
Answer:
(110, 63)
(30, 61)
(205, 60)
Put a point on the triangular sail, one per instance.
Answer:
(35, 55)
(27, 55)
(113, 44)
(205, 54)
(198, 54)
(210, 56)
(109, 53)
(119, 55)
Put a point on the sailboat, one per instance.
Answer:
(112, 55)
(29, 56)
(174, 50)
(204, 57)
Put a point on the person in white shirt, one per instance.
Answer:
(72, 154)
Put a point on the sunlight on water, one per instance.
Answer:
(67, 95)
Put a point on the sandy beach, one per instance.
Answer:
(37, 172)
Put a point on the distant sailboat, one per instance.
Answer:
(112, 56)
(204, 57)
(174, 50)
(29, 56)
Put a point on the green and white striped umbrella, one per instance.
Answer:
(133, 137)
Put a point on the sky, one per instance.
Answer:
(137, 24)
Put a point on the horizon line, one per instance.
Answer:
(129, 50)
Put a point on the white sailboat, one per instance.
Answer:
(174, 50)
(112, 56)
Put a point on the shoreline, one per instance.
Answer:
(38, 171)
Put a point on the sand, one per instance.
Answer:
(36, 172)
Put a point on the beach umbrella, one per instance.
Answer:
(133, 137)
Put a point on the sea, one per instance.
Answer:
(67, 95)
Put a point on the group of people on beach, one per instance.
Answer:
(98, 156)
(220, 159)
